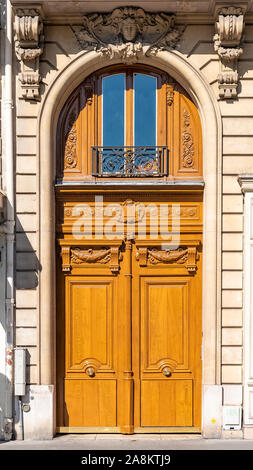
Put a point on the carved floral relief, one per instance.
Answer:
(187, 141)
(70, 156)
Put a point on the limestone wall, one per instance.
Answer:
(237, 117)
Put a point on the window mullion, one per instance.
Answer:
(129, 110)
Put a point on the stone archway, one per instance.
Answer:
(191, 79)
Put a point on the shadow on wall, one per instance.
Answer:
(25, 403)
(27, 263)
(4, 384)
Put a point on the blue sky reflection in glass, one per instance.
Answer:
(144, 109)
(114, 110)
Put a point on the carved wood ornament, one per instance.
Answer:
(29, 39)
(228, 44)
(128, 33)
(187, 141)
(76, 256)
(70, 156)
(170, 94)
(181, 255)
(70, 126)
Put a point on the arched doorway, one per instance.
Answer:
(129, 231)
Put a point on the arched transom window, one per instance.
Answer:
(132, 122)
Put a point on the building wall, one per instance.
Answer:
(237, 158)
(2, 280)
(4, 383)
(237, 117)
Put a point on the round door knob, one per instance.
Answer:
(90, 371)
(166, 371)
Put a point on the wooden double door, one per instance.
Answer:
(129, 335)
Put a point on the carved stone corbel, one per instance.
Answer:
(228, 45)
(28, 28)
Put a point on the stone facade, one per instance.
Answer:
(55, 47)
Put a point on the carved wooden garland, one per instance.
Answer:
(77, 256)
(70, 156)
(90, 256)
(70, 127)
(187, 141)
(181, 255)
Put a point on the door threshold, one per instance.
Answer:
(168, 430)
(87, 430)
(116, 430)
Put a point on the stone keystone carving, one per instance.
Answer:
(228, 44)
(28, 28)
(128, 33)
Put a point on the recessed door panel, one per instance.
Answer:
(167, 319)
(165, 323)
(90, 321)
(90, 381)
(166, 403)
(90, 403)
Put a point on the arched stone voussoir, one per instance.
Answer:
(53, 100)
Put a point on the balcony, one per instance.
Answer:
(130, 161)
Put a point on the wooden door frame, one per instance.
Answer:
(202, 94)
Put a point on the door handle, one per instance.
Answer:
(90, 371)
(166, 371)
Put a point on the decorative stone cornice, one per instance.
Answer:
(228, 45)
(246, 183)
(28, 28)
(128, 33)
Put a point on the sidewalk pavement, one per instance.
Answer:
(132, 442)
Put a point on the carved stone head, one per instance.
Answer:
(129, 29)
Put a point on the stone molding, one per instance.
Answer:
(29, 39)
(128, 33)
(246, 183)
(228, 45)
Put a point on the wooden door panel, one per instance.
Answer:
(90, 402)
(90, 381)
(89, 335)
(166, 403)
(167, 319)
(129, 325)
(165, 324)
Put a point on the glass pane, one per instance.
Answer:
(113, 109)
(145, 110)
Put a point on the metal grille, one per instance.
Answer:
(130, 161)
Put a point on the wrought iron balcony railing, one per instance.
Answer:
(130, 161)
